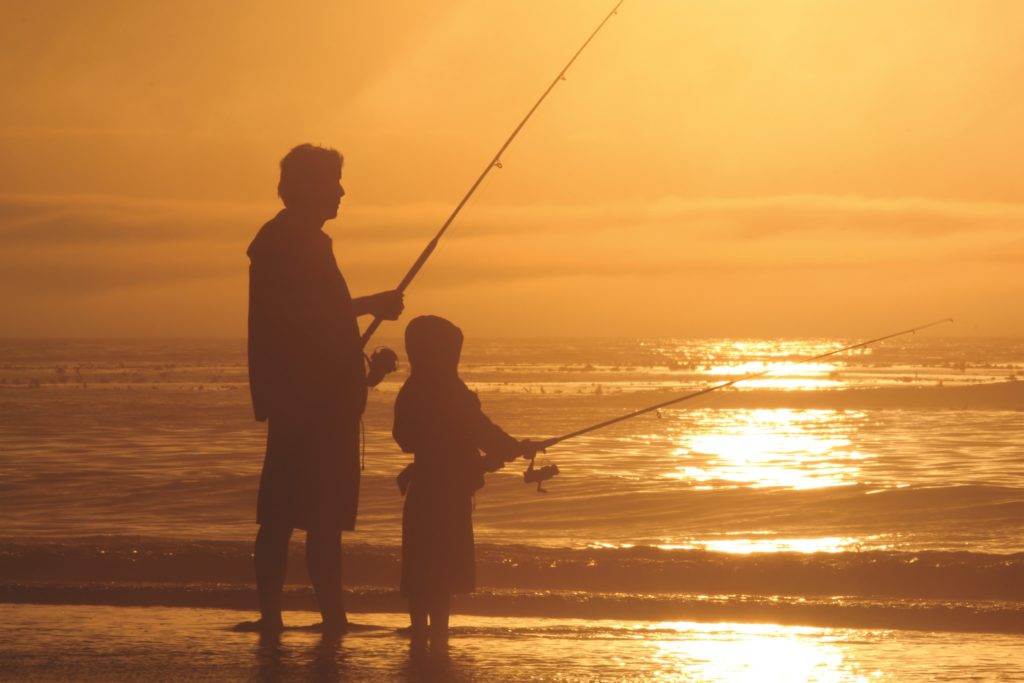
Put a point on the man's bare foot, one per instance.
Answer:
(331, 628)
(338, 628)
(321, 627)
(352, 626)
(260, 626)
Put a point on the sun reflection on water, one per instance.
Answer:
(751, 542)
(784, 375)
(769, 448)
(780, 367)
(753, 652)
(747, 546)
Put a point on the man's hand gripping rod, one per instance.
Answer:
(495, 162)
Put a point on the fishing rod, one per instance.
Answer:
(494, 163)
(542, 474)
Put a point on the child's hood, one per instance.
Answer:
(434, 346)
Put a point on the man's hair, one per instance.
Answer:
(302, 167)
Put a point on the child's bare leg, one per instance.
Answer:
(440, 608)
(418, 620)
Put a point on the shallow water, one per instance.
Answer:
(159, 643)
(155, 439)
(896, 472)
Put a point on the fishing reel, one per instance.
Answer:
(381, 363)
(539, 475)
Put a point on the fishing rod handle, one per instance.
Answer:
(368, 333)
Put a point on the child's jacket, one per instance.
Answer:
(439, 420)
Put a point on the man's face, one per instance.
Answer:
(332, 194)
(318, 195)
(325, 195)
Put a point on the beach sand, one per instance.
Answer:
(57, 642)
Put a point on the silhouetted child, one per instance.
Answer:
(439, 420)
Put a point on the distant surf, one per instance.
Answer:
(929, 590)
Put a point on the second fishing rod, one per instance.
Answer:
(542, 474)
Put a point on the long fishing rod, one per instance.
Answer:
(540, 475)
(495, 162)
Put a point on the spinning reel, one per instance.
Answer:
(539, 475)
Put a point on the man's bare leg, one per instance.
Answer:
(323, 560)
(270, 559)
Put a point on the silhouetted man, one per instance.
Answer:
(308, 380)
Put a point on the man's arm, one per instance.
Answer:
(386, 305)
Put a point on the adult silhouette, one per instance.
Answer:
(308, 381)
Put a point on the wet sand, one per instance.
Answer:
(40, 642)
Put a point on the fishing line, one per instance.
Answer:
(494, 163)
(540, 475)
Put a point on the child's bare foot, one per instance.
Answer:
(263, 625)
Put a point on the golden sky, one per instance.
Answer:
(709, 168)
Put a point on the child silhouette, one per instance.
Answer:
(439, 420)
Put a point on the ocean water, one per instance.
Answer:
(882, 488)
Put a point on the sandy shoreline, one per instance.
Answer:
(39, 642)
(995, 617)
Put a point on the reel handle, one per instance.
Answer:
(383, 362)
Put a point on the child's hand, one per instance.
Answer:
(382, 362)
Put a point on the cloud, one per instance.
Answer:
(26, 219)
(75, 280)
(84, 220)
(81, 244)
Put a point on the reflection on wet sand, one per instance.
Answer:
(332, 657)
(323, 660)
(759, 653)
(268, 665)
(96, 643)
